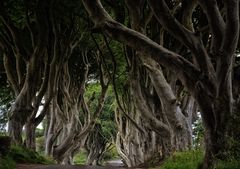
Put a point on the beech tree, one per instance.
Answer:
(36, 39)
(207, 76)
(24, 46)
(72, 117)
(6, 98)
(146, 131)
(150, 125)
(102, 136)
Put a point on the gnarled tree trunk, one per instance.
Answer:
(24, 69)
(210, 83)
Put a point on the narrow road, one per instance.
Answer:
(32, 166)
(115, 163)
(112, 164)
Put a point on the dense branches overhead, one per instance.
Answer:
(208, 75)
(48, 60)
(174, 58)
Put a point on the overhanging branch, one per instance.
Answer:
(215, 20)
(138, 41)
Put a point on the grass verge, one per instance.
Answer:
(192, 160)
(19, 154)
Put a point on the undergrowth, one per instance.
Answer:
(192, 160)
(23, 155)
(183, 160)
(7, 163)
(19, 154)
(228, 164)
(80, 158)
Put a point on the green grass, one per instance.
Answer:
(183, 160)
(7, 163)
(230, 164)
(23, 155)
(18, 154)
(192, 159)
(80, 158)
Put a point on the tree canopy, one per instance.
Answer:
(133, 72)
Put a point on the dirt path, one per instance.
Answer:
(39, 166)
(28, 166)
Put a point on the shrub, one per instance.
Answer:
(230, 164)
(7, 163)
(23, 155)
(80, 158)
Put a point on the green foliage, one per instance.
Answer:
(122, 69)
(105, 128)
(234, 147)
(40, 144)
(230, 164)
(192, 160)
(7, 163)
(15, 10)
(39, 132)
(106, 119)
(111, 153)
(234, 136)
(183, 160)
(23, 155)
(113, 50)
(92, 87)
(80, 158)
(18, 154)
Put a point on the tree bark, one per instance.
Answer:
(211, 88)
(28, 59)
(96, 145)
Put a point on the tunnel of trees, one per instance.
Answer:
(133, 73)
